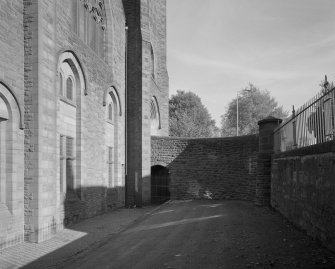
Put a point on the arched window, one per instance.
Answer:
(113, 112)
(153, 111)
(69, 89)
(89, 22)
(69, 124)
(11, 149)
(154, 116)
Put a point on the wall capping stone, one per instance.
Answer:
(325, 147)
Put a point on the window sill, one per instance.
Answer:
(67, 101)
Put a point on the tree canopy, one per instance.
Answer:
(189, 117)
(253, 105)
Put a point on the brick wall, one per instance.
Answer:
(303, 189)
(224, 167)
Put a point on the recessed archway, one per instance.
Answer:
(160, 181)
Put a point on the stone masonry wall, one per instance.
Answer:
(303, 189)
(146, 22)
(12, 86)
(48, 33)
(134, 101)
(220, 168)
(153, 22)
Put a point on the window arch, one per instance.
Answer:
(154, 116)
(112, 105)
(89, 22)
(113, 92)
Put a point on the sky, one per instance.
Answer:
(217, 47)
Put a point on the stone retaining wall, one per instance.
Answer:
(217, 168)
(303, 189)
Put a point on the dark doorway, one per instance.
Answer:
(160, 179)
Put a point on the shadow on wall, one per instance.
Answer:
(88, 202)
(95, 201)
(212, 168)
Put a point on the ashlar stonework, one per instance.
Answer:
(75, 109)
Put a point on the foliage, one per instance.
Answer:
(253, 105)
(189, 117)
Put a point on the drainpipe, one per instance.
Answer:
(125, 112)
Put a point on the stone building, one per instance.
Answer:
(83, 86)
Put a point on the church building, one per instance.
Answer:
(83, 87)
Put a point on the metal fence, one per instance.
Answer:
(311, 124)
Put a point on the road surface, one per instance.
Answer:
(207, 234)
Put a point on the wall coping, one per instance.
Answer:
(270, 119)
(325, 147)
(204, 138)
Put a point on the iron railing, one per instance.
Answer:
(311, 124)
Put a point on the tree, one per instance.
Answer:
(253, 105)
(189, 117)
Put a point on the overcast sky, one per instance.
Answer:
(216, 47)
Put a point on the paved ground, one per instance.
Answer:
(70, 242)
(194, 234)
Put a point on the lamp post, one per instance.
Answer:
(237, 114)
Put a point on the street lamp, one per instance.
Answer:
(237, 114)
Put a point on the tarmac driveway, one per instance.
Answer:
(207, 234)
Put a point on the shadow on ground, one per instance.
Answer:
(193, 234)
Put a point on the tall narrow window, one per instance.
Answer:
(110, 163)
(60, 84)
(110, 112)
(97, 39)
(74, 16)
(152, 63)
(3, 125)
(69, 89)
(154, 117)
(2, 162)
(86, 27)
(92, 31)
(62, 162)
(101, 42)
(69, 163)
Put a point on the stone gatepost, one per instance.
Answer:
(266, 150)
